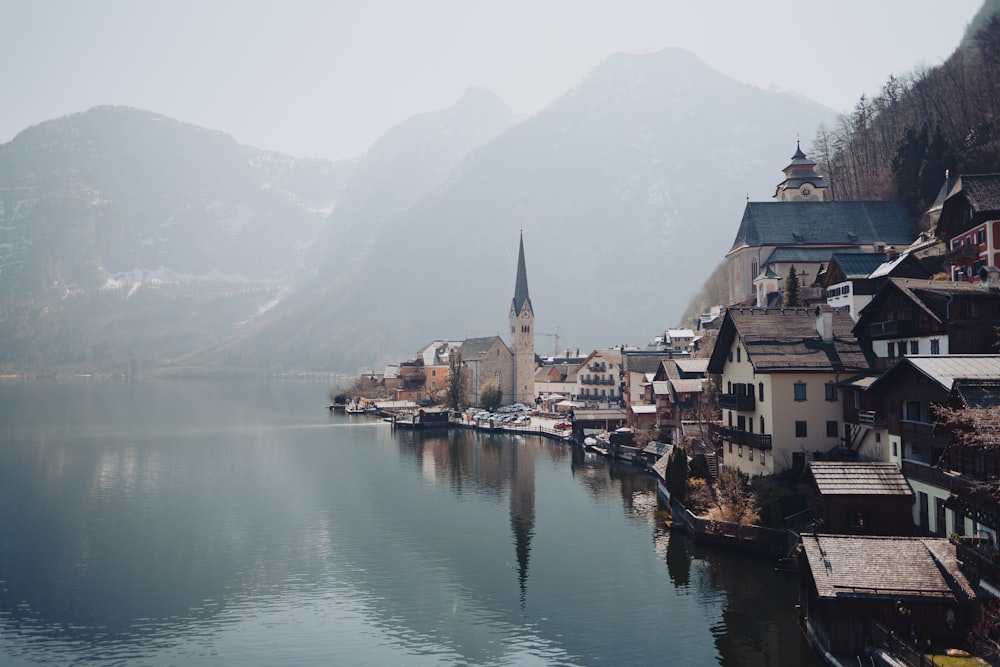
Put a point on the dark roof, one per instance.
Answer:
(977, 393)
(982, 190)
(857, 266)
(692, 366)
(847, 223)
(521, 285)
(886, 568)
(473, 347)
(786, 340)
(807, 254)
(643, 361)
(858, 478)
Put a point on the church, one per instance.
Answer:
(490, 360)
(802, 227)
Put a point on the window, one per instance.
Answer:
(730, 419)
(935, 346)
(762, 456)
(800, 391)
(762, 424)
(914, 347)
(831, 391)
(739, 354)
(729, 387)
(741, 451)
(760, 392)
(892, 350)
(751, 453)
(912, 411)
(895, 449)
(981, 237)
(831, 429)
(800, 429)
(730, 446)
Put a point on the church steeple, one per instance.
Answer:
(522, 334)
(521, 285)
(802, 182)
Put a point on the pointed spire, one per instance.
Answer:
(521, 286)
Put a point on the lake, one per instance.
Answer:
(241, 523)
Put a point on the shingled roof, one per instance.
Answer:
(841, 223)
(893, 568)
(784, 340)
(945, 370)
(858, 478)
(982, 190)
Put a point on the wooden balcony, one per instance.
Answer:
(920, 434)
(738, 402)
(738, 437)
(892, 329)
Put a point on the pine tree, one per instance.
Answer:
(793, 296)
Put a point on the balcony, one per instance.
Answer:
(962, 255)
(739, 437)
(892, 328)
(871, 419)
(603, 381)
(738, 402)
(920, 434)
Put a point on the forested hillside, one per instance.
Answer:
(901, 143)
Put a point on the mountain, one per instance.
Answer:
(629, 189)
(130, 240)
(127, 237)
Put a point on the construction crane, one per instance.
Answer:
(553, 335)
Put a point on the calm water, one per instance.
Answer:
(204, 523)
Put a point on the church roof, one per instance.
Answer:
(841, 223)
(521, 286)
(473, 347)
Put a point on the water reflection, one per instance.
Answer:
(202, 524)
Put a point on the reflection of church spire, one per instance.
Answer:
(522, 509)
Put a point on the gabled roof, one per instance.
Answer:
(977, 393)
(692, 366)
(944, 370)
(981, 190)
(858, 265)
(907, 260)
(847, 223)
(689, 386)
(932, 296)
(886, 568)
(642, 361)
(473, 347)
(858, 478)
(782, 340)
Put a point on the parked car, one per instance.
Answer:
(523, 419)
(562, 426)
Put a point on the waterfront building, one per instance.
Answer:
(970, 225)
(779, 371)
(859, 498)
(599, 377)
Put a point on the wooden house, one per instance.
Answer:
(912, 587)
(859, 498)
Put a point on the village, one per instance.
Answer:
(840, 413)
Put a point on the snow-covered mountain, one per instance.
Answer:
(629, 189)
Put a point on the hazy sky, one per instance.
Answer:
(327, 78)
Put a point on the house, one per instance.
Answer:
(807, 230)
(855, 589)
(969, 224)
(638, 369)
(599, 377)
(859, 497)
(907, 395)
(779, 370)
(920, 317)
(852, 279)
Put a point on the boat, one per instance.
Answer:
(355, 408)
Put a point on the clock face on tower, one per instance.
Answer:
(806, 192)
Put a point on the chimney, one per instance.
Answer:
(890, 253)
(824, 324)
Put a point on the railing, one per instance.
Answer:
(870, 418)
(606, 381)
(740, 437)
(899, 649)
(920, 434)
(739, 402)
